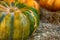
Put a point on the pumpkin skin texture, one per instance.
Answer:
(17, 21)
(52, 5)
(31, 3)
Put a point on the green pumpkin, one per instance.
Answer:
(17, 21)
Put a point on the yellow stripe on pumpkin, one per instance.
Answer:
(5, 27)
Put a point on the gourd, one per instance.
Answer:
(17, 20)
(31, 3)
(52, 5)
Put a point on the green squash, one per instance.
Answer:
(17, 21)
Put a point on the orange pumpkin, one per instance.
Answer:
(31, 3)
(36, 5)
(52, 5)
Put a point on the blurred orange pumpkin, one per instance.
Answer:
(36, 5)
(52, 5)
(31, 3)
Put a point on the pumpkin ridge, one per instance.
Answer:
(35, 14)
(53, 4)
(32, 21)
(2, 17)
(12, 27)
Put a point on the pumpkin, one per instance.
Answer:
(17, 20)
(31, 3)
(52, 5)
(36, 5)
